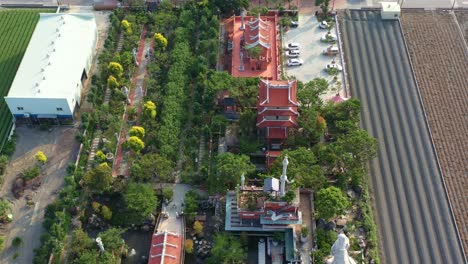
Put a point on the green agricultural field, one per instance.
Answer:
(16, 28)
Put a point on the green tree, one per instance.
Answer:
(345, 112)
(87, 257)
(168, 192)
(152, 166)
(140, 201)
(227, 249)
(229, 168)
(229, 7)
(353, 150)
(137, 131)
(309, 94)
(135, 144)
(255, 52)
(112, 82)
(330, 202)
(41, 157)
(3, 164)
(191, 204)
(314, 125)
(112, 239)
(150, 110)
(80, 242)
(106, 213)
(98, 179)
(303, 168)
(160, 41)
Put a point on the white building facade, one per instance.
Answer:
(49, 80)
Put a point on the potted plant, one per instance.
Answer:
(132, 114)
(278, 237)
(304, 234)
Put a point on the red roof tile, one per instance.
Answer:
(166, 247)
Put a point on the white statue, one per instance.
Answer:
(284, 178)
(99, 243)
(242, 181)
(339, 251)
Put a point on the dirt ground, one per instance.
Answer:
(60, 147)
(440, 59)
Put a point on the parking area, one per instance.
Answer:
(308, 35)
(60, 146)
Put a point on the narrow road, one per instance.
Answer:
(413, 215)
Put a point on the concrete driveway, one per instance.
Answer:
(60, 147)
(308, 35)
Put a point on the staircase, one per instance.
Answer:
(92, 154)
(235, 220)
(120, 43)
(107, 96)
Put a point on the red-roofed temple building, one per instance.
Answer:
(276, 113)
(165, 248)
(248, 33)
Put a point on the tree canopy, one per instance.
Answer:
(330, 202)
(140, 201)
(151, 166)
(303, 168)
(309, 94)
(314, 125)
(227, 249)
(98, 179)
(229, 168)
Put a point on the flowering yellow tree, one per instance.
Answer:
(161, 41)
(150, 109)
(137, 131)
(112, 82)
(115, 69)
(127, 26)
(41, 157)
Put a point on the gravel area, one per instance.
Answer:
(440, 58)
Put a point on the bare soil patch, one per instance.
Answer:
(440, 61)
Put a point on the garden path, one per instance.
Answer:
(136, 96)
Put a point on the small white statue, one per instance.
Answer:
(99, 244)
(339, 251)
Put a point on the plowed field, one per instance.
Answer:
(440, 59)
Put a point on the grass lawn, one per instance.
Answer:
(16, 28)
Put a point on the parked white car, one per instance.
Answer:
(292, 53)
(294, 46)
(331, 51)
(329, 37)
(334, 66)
(295, 62)
(323, 25)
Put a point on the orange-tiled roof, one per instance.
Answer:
(166, 247)
(277, 93)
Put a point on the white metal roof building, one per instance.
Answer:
(49, 80)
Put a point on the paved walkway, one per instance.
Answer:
(136, 97)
